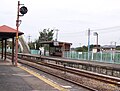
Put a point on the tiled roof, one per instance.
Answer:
(7, 32)
(7, 29)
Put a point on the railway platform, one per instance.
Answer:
(19, 79)
(22, 78)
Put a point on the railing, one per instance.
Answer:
(34, 51)
(100, 56)
(25, 46)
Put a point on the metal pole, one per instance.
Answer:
(96, 34)
(17, 26)
(97, 40)
(56, 34)
(88, 44)
(29, 38)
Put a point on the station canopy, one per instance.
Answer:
(7, 32)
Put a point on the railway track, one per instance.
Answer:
(71, 74)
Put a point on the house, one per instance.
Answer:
(108, 48)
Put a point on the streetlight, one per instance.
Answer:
(23, 10)
(56, 34)
(56, 42)
(96, 34)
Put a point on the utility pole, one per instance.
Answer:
(23, 10)
(88, 44)
(17, 25)
(29, 38)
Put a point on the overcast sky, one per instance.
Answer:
(71, 17)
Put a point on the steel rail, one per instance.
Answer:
(92, 75)
(37, 66)
(101, 77)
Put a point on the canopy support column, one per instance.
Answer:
(13, 51)
(5, 49)
(49, 50)
(2, 50)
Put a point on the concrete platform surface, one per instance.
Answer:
(16, 79)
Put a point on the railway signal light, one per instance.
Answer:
(23, 10)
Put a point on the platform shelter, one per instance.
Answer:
(6, 33)
(56, 48)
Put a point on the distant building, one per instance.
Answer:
(108, 48)
(96, 48)
(105, 48)
(56, 48)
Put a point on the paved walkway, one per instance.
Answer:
(16, 79)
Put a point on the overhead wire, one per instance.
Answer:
(108, 28)
(74, 32)
(102, 30)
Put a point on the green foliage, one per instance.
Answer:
(91, 47)
(45, 35)
(31, 45)
(84, 48)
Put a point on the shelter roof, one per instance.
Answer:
(49, 42)
(8, 32)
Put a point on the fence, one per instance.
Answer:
(37, 52)
(100, 56)
(110, 57)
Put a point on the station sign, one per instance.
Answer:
(56, 43)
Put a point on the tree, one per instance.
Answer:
(31, 45)
(45, 35)
(81, 49)
(84, 48)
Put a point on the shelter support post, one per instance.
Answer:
(49, 50)
(5, 49)
(63, 49)
(2, 50)
(13, 50)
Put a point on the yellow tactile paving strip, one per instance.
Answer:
(44, 79)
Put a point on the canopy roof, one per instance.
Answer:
(49, 42)
(8, 32)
